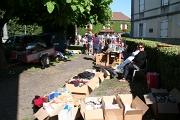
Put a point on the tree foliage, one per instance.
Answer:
(113, 25)
(54, 13)
(15, 28)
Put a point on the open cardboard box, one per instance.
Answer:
(101, 59)
(139, 106)
(96, 114)
(42, 114)
(164, 110)
(115, 113)
(100, 75)
(85, 90)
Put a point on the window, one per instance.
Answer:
(164, 9)
(164, 2)
(141, 15)
(141, 6)
(151, 30)
(141, 30)
(164, 29)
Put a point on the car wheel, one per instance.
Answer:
(45, 61)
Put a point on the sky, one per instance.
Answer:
(123, 6)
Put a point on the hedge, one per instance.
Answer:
(163, 60)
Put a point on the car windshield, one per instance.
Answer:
(16, 39)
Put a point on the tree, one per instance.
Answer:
(60, 12)
(15, 28)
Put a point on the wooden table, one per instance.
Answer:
(113, 57)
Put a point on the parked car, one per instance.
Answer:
(56, 39)
(125, 35)
(22, 42)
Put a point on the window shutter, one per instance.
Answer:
(166, 28)
(141, 6)
(144, 29)
(166, 2)
(137, 30)
(162, 29)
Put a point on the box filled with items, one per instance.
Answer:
(91, 108)
(134, 108)
(164, 104)
(57, 104)
(83, 84)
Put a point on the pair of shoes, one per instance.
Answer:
(122, 80)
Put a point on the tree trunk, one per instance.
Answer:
(3, 61)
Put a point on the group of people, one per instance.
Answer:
(94, 43)
(135, 61)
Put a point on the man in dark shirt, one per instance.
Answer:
(136, 63)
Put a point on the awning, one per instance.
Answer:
(106, 31)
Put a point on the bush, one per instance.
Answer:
(163, 60)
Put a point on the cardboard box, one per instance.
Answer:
(67, 113)
(101, 59)
(85, 90)
(164, 110)
(100, 75)
(96, 114)
(42, 114)
(108, 75)
(139, 107)
(114, 113)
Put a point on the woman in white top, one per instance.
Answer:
(84, 43)
(127, 61)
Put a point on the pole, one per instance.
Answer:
(25, 29)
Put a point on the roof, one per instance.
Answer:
(106, 31)
(119, 16)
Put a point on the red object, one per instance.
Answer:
(13, 54)
(39, 101)
(152, 79)
(89, 29)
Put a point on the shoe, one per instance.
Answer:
(122, 80)
(116, 70)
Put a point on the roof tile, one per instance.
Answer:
(119, 16)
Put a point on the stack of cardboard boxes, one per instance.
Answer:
(114, 108)
(164, 104)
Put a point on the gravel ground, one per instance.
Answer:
(18, 90)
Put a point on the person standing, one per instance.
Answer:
(90, 46)
(136, 63)
(84, 44)
(96, 43)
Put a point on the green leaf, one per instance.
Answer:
(68, 1)
(11, 3)
(50, 7)
(73, 7)
(81, 9)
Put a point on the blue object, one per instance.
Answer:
(53, 95)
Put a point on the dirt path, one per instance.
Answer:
(17, 91)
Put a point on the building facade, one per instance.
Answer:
(156, 19)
